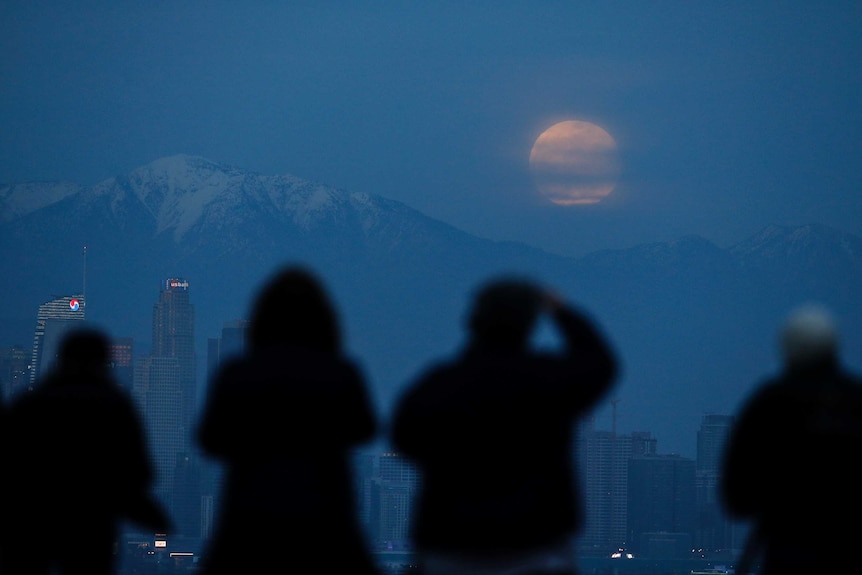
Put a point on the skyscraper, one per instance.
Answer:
(715, 532)
(392, 499)
(53, 320)
(174, 336)
(230, 344)
(661, 501)
(14, 370)
(603, 458)
(122, 361)
(166, 389)
(158, 393)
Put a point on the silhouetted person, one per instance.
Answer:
(78, 467)
(791, 460)
(492, 433)
(4, 490)
(283, 420)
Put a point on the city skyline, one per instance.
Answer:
(608, 414)
(685, 173)
(607, 458)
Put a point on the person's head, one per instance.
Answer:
(504, 312)
(84, 350)
(808, 338)
(293, 307)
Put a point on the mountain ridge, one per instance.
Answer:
(692, 322)
(177, 200)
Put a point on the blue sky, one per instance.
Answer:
(729, 116)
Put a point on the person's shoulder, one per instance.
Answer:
(763, 393)
(852, 378)
(234, 365)
(265, 367)
(440, 368)
(850, 385)
(445, 377)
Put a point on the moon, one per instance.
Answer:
(575, 162)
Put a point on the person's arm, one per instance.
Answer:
(592, 359)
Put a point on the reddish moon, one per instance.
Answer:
(575, 162)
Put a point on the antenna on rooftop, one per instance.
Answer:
(84, 285)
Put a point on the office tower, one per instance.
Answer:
(208, 516)
(159, 394)
(122, 362)
(14, 370)
(603, 467)
(188, 499)
(53, 320)
(392, 501)
(171, 396)
(661, 503)
(174, 336)
(714, 532)
(231, 343)
(363, 464)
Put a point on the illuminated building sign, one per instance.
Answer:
(176, 283)
(74, 304)
(160, 541)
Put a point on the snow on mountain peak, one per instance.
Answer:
(177, 189)
(182, 190)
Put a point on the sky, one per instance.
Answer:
(728, 116)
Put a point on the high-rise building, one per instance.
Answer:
(165, 385)
(158, 392)
(230, 344)
(174, 336)
(603, 458)
(188, 500)
(393, 493)
(363, 464)
(715, 534)
(53, 319)
(122, 362)
(233, 339)
(14, 370)
(661, 506)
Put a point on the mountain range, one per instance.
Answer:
(694, 324)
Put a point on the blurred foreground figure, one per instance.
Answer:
(492, 432)
(4, 491)
(790, 463)
(78, 466)
(283, 420)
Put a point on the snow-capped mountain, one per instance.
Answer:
(812, 244)
(693, 323)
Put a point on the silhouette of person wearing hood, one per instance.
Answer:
(283, 420)
(790, 462)
(78, 466)
(492, 434)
